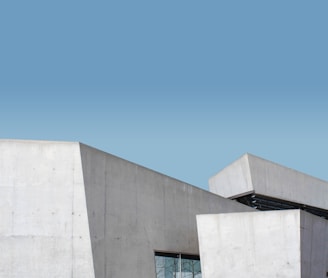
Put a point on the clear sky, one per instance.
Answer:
(181, 87)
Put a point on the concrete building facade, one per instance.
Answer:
(69, 210)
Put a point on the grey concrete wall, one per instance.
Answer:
(246, 245)
(68, 210)
(314, 246)
(253, 174)
(234, 180)
(284, 243)
(43, 218)
(281, 182)
(134, 211)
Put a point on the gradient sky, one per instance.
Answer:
(181, 87)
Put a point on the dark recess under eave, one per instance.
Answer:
(264, 203)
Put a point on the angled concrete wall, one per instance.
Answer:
(68, 210)
(134, 211)
(288, 244)
(44, 229)
(233, 181)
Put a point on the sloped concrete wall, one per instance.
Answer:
(134, 211)
(43, 218)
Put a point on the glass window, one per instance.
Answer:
(169, 265)
(190, 267)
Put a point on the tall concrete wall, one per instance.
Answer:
(43, 218)
(134, 211)
(68, 210)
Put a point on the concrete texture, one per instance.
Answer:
(134, 211)
(314, 246)
(68, 210)
(251, 174)
(44, 229)
(288, 244)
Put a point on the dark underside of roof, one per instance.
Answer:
(261, 202)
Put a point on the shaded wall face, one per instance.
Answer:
(314, 246)
(43, 221)
(134, 212)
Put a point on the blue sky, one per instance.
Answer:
(182, 87)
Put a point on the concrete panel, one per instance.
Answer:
(253, 174)
(35, 256)
(44, 225)
(280, 182)
(235, 180)
(314, 246)
(134, 212)
(68, 210)
(256, 244)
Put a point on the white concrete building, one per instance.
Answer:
(69, 210)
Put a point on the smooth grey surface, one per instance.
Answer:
(134, 211)
(68, 210)
(284, 243)
(253, 174)
(234, 180)
(43, 218)
(314, 246)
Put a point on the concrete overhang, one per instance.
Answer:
(253, 175)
